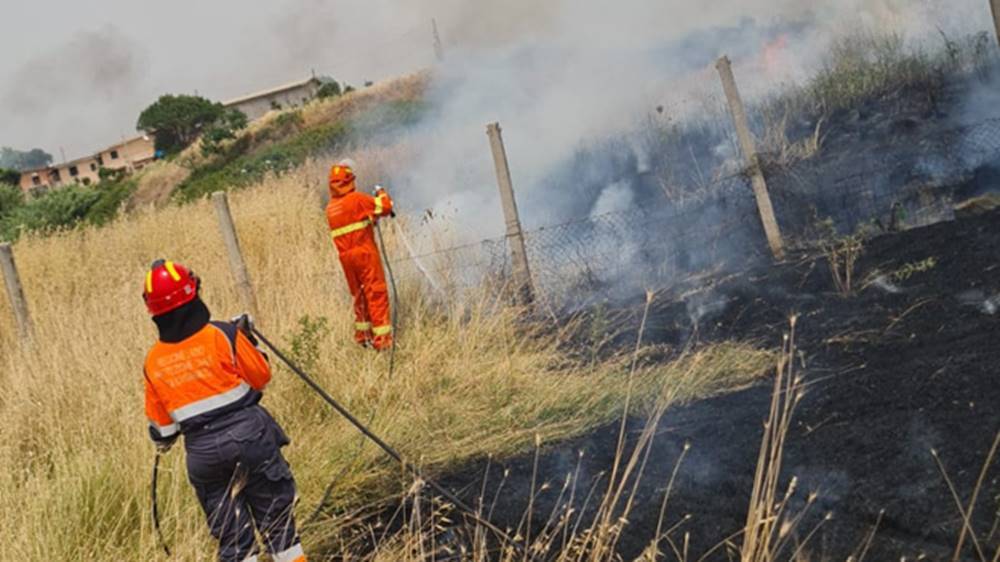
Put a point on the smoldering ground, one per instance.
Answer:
(876, 410)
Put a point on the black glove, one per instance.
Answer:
(164, 445)
(244, 323)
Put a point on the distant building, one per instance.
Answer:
(129, 155)
(133, 154)
(296, 94)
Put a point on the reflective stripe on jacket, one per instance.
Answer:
(351, 215)
(213, 372)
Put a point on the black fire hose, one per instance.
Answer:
(156, 511)
(444, 492)
(328, 491)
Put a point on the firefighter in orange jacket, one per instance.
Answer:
(204, 380)
(352, 216)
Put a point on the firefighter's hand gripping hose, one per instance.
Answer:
(389, 450)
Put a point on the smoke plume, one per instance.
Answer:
(61, 91)
(563, 76)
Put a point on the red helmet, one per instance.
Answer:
(169, 286)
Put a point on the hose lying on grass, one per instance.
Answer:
(389, 450)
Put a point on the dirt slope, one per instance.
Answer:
(908, 364)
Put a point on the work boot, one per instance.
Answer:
(382, 343)
(363, 338)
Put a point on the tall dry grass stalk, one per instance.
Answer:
(472, 378)
(771, 524)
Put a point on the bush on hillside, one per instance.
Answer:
(61, 208)
(10, 177)
(56, 209)
(224, 128)
(11, 197)
(238, 171)
(866, 67)
(111, 174)
(330, 89)
(112, 196)
(235, 169)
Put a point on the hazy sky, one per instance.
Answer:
(74, 75)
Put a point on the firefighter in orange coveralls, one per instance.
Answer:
(204, 380)
(352, 216)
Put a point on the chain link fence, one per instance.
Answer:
(885, 187)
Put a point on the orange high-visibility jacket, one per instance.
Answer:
(351, 216)
(215, 371)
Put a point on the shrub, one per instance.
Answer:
(112, 196)
(224, 128)
(241, 171)
(56, 209)
(329, 89)
(306, 341)
(11, 197)
(10, 177)
(112, 175)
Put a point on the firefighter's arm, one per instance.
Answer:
(251, 362)
(383, 203)
(162, 429)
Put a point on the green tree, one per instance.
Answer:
(178, 120)
(224, 128)
(24, 160)
(10, 177)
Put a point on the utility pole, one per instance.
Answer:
(995, 6)
(749, 148)
(439, 48)
(518, 251)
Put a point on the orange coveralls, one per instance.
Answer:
(352, 216)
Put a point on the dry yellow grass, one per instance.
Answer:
(156, 182)
(471, 377)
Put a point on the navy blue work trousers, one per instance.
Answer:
(243, 482)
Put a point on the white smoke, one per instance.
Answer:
(557, 75)
(616, 197)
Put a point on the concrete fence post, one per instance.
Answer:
(749, 149)
(15, 292)
(995, 6)
(236, 263)
(518, 250)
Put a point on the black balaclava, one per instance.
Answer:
(182, 322)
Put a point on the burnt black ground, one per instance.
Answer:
(892, 371)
